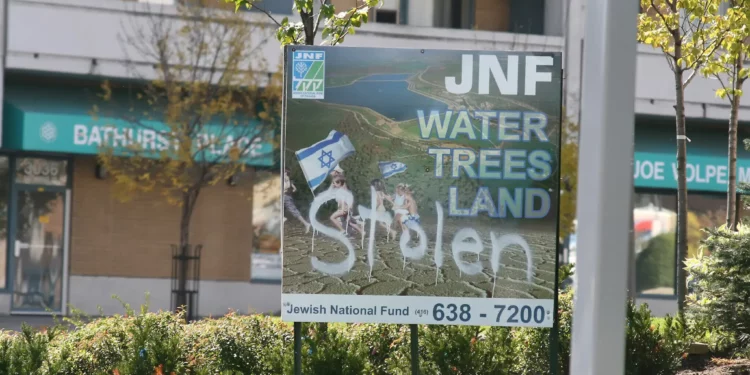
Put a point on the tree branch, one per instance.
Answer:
(671, 61)
(723, 85)
(663, 19)
(347, 24)
(698, 63)
(317, 19)
(267, 13)
(690, 77)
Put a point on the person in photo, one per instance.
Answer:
(289, 205)
(410, 205)
(336, 172)
(343, 210)
(381, 197)
(399, 203)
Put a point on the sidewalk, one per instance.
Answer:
(13, 322)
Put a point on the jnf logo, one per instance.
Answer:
(48, 132)
(308, 75)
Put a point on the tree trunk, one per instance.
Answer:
(188, 204)
(738, 209)
(682, 208)
(308, 22)
(733, 120)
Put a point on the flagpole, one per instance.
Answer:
(313, 230)
(336, 143)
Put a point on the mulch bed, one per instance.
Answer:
(715, 366)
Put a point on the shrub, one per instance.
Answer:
(533, 343)
(380, 340)
(161, 343)
(93, 348)
(332, 353)
(25, 352)
(457, 350)
(6, 343)
(153, 343)
(721, 286)
(653, 349)
(237, 344)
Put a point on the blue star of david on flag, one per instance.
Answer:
(318, 160)
(390, 168)
(326, 158)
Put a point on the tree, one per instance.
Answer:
(681, 30)
(207, 111)
(569, 176)
(336, 26)
(727, 67)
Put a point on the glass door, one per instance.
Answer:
(39, 239)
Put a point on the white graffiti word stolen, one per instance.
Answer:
(466, 240)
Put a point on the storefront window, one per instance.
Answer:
(704, 211)
(34, 171)
(655, 221)
(266, 257)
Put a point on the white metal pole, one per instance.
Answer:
(605, 185)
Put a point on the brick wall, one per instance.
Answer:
(492, 15)
(132, 239)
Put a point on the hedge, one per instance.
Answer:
(161, 343)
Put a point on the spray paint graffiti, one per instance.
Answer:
(466, 240)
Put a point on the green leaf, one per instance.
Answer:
(722, 93)
(356, 21)
(327, 10)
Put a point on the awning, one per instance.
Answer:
(61, 120)
(655, 164)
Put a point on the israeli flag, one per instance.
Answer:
(389, 168)
(319, 159)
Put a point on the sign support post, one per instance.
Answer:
(554, 334)
(414, 348)
(606, 150)
(297, 348)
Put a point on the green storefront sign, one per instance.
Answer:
(60, 128)
(655, 163)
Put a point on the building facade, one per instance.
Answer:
(66, 241)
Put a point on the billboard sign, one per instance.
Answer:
(420, 186)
